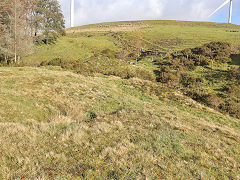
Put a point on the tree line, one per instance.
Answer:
(25, 22)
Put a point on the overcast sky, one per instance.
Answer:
(96, 11)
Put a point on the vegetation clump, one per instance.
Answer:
(107, 66)
(219, 52)
(90, 116)
(234, 74)
(181, 71)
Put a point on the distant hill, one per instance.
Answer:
(82, 42)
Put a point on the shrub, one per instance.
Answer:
(108, 53)
(234, 74)
(218, 51)
(190, 82)
(44, 63)
(188, 63)
(90, 116)
(122, 55)
(166, 76)
(145, 74)
(200, 60)
(186, 52)
(208, 99)
(213, 101)
(232, 90)
(176, 63)
(231, 107)
(203, 51)
(55, 62)
(197, 96)
(223, 59)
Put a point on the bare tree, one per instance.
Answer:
(15, 29)
(22, 20)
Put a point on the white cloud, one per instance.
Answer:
(94, 11)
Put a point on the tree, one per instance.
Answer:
(48, 19)
(22, 20)
(14, 29)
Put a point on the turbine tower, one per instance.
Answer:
(230, 12)
(72, 13)
(230, 9)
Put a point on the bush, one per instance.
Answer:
(176, 63)
(197, 96)
(145, 74)
(218, 51)
(55, 62)
(234, 74)
(190, 82)
(223, 59)
(186, 52)
(232, 90)
(108, 53)
(104, 66)
(166, 76)
(202, 51)
(213, 101)
(201, 60)
(188, 63)
(122, 55)
(90, 116)
(208, 99)
(214, 49)
(232, 108)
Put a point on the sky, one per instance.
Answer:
(97, 11)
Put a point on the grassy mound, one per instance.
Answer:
(58, 124)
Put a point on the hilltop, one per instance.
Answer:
(144, 99)
(85, 41)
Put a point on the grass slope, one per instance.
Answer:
(86, 41)
(90, 112)
(58, 124)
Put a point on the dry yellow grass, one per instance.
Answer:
(46, 132)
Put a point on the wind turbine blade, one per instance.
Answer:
(227, 1)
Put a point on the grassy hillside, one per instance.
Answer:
(86, 41)
(57, 124)
(111, 49)
(85, 108)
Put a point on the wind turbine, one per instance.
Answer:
(72, 13)
(230, 9)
